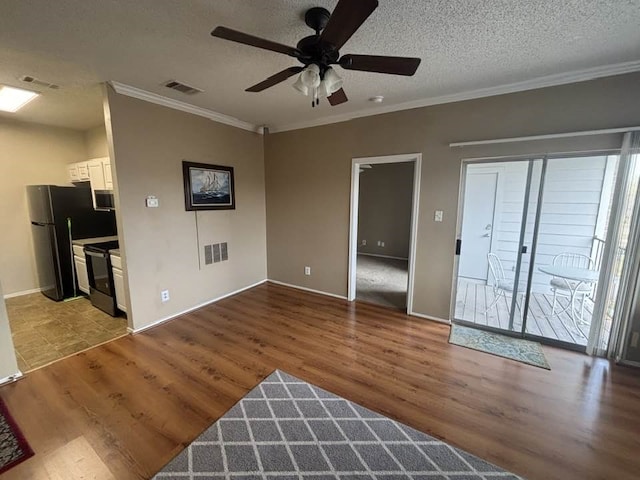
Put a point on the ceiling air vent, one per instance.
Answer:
(181, 87)
(40, 83)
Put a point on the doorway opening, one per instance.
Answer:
(532, 236)
(55, 207)
(384, 199)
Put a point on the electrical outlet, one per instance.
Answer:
(164, 296)
(364, 242)
(634, 339)
(437, 217)
(307, 270)
(382, 244)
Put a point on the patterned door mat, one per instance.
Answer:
(288, 429)
(517, 349)
(13, 446)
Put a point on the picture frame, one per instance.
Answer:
(208, 187)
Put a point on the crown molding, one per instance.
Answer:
(140, 94)
(539, 82)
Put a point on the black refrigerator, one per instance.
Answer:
(59, 215)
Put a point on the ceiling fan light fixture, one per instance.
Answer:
(301, 87)
(324, 90)
(316, 52)
(332, 81)
(310, 76)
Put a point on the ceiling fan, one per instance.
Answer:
(320, 51)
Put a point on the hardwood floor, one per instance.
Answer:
(138, 400)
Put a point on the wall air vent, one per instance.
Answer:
(181, 87)
(40, 83)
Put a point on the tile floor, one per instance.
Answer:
(44, 331)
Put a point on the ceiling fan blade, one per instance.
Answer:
(275, 79)
(345, 20)
(376, 63)
(239, 37)
(337, 97)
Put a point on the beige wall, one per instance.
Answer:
(8, 363)
(308, 189)
(160, 245)
(384, 209)
(29, 155)
(95, 141)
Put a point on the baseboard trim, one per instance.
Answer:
(429, 317)
(311, 290)
(23, 292)
(189, 310)
(382, 256)
(11, 378)
(629, 363)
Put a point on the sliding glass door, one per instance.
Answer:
(497, 227)
(533, 234)
(571, 233)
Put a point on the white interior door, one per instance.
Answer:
(477, 223)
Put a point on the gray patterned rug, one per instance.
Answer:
(518, 349)
(288, 429)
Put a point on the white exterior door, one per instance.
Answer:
(477, 224)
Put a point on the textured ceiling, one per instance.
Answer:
(464, 45)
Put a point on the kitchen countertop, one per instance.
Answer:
(83, 241)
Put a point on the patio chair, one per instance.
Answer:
(502, 288)
(561, 287)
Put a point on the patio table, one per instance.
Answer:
(575, 277)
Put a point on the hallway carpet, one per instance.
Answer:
(382, 281)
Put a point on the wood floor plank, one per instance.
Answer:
(139, 400)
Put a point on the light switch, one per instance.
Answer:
(438, 216)
(152, 202)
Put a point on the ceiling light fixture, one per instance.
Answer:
(317, 53)
(13, 99)
(319, 83)
(377, 99)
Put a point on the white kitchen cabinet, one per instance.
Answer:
(96, 174)
(83, 171)
(100, 176)
(78, 172)
(73, 172)
(81, 273)
(108, 178)
(118, 282)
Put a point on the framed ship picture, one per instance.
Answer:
(208, 187)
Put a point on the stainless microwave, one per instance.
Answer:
(104, 200)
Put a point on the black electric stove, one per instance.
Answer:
(103, 295)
